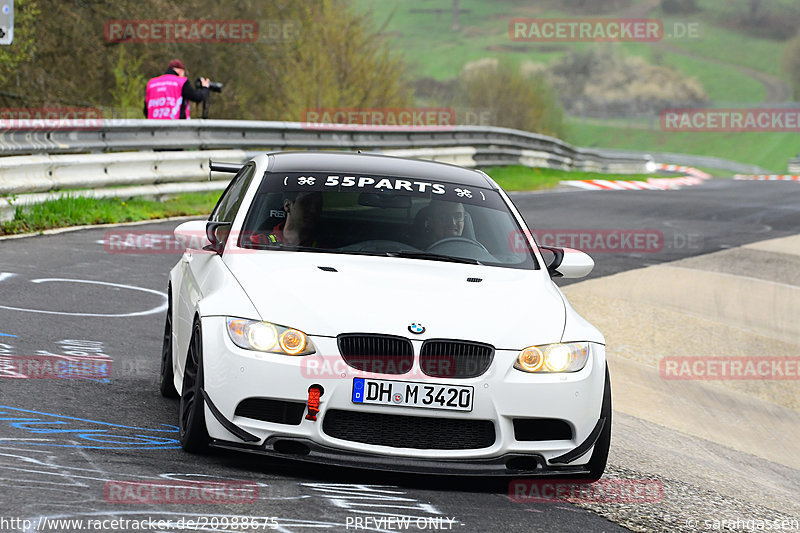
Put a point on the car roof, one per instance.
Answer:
(375, 164)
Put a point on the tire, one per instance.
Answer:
(193, 433)
(167, 381)
(597, 463)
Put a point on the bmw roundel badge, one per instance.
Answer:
(416, 328)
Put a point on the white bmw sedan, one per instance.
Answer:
(380, 312)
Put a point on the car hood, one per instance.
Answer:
(328, 294)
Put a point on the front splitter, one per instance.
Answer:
(522, 465)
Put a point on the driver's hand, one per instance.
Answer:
(204, 82)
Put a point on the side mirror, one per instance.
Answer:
(192, 234)
(217, 234)
(567, 262)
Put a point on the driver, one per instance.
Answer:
(303, 211)
(445, 220)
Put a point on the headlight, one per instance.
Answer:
(569, 357)
(266, 337)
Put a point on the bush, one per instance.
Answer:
(593, 6)
(601, 82)
(678, 7)
(512, 100)
(767, 20)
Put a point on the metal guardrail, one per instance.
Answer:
(32, 179)
(794, 165)
(130, 157)
(121, 157)
(690, 160)
(44, 173)
(496, 145)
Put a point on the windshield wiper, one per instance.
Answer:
(411, 254)
(408, 254)
(300, 248)
(285, 246)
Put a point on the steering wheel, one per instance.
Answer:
(457, 239)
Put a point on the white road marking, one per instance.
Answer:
(159, 309)
(27, 440)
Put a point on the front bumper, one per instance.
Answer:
(301, 449)
(502, 394)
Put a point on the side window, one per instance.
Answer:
(231, 199)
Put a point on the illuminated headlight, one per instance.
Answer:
(569, 357)
(266, 337)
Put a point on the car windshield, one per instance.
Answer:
(388, 216)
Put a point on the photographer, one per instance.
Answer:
(167, 96)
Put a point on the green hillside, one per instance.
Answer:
(736, 65)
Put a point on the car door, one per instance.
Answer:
(198, 267)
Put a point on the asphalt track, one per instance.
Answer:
(62, 440)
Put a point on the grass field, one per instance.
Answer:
(731, 47)
(770, 150)
(520, 178)
(421, 32)
(485, 34)
(722, 83)
(417, 28)
(78, 211)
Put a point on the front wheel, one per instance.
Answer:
(193, 433)
(167, 381)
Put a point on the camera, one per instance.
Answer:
(213, 86)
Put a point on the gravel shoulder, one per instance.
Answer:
(723, 449)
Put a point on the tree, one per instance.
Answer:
(791, 64)
(23, 47)
(334, 57)
(128, 82)
(338, 59)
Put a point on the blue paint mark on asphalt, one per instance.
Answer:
(7, 335)
(97, 435)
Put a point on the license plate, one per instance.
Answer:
(410, 394)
